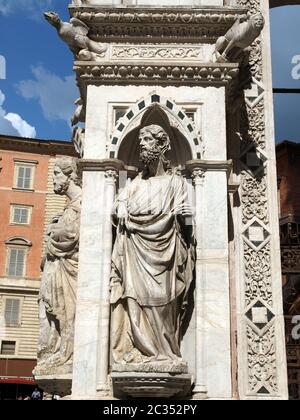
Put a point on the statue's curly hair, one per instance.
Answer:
(160, 135)
(69, 166)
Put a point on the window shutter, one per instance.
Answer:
(8, 347)
(21, 173)
(27, 180)
(24, 177)
(16, 262)
(12, 310)
(23, 215)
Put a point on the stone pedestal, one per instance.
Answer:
(150, 385)
(55, 384)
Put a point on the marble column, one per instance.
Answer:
(91, 343)
(200, 389)
(111, 177)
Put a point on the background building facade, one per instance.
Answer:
(27, 205)
(288, 167)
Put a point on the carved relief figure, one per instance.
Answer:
(153, 259)
(75, 34)
(79, 114)
(57, 297)
(239, 37)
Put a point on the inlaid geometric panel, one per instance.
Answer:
(254, 94)
(256, 234)
(253, 159)
(259, 315)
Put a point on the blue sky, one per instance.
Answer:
(285, 32)
(37, 95)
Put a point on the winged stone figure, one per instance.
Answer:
(75, 34)
(239, 37)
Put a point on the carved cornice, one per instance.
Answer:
(101, 165)
(152, 73)
(157, 23)
(209, 166)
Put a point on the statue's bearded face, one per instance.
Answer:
(150, 149)
(61, 181)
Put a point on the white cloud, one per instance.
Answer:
(20, 125)
(55, 95)
(33, 7)
(2, 98)
(12, 124)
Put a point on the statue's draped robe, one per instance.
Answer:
(58, 287)
(152, 270)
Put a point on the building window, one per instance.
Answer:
(12, 311)
(191, 114)
(8, 348)
(17, 249)
(24, 173)
(119, 113)
(16, 262)
(20, 215)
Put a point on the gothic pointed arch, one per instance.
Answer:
(155, 109)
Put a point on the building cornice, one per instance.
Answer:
(157, 23)
(171, 74)
(46, 147)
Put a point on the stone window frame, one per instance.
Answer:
(17, 345)
(116, 109)
(197, 109)
(19, 163)
(17, 243)
(5, 298)
(13, 206)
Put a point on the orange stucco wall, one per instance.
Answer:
(37, 199)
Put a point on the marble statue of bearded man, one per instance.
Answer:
(153, 259)
(57, 297)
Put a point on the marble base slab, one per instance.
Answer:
(150, 385)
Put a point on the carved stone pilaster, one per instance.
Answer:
(261, 346)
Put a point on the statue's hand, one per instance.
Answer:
(185, 210)
(122, 214)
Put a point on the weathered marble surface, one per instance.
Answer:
(75, 34)
(214, 321)
(57, 297)
(242, 34)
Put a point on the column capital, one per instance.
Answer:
(111, 176)
(198, 175)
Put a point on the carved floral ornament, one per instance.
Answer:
(159, 16)
(152, 52)
(119, 23)
(219, 74)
